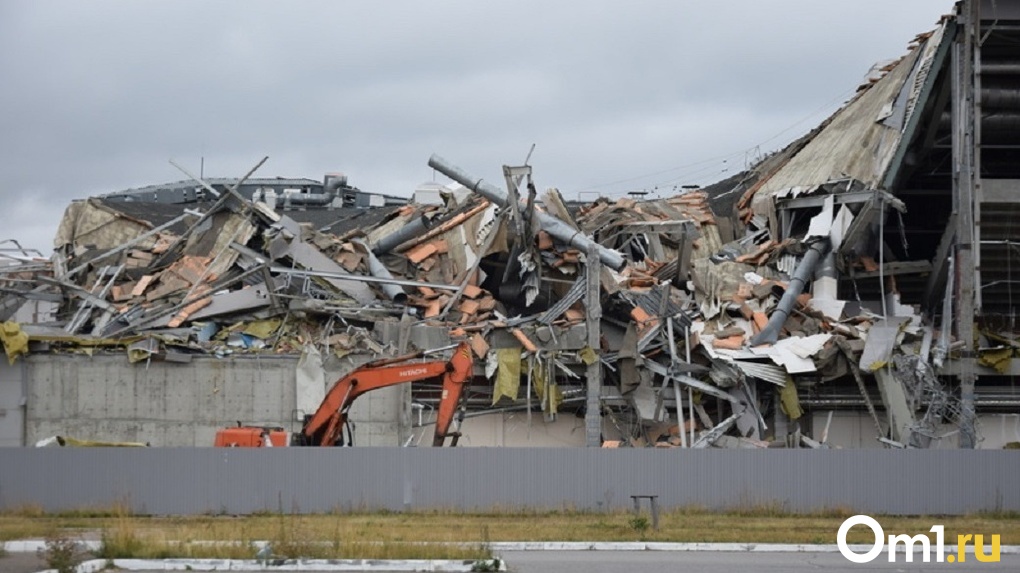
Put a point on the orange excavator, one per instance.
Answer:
(326, 426)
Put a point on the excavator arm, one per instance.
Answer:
(325, 427)
(456, 377)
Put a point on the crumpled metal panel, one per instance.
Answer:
(308, 257)
(663, 370)
(573, 295)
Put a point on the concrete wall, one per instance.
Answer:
(848, 429)
(857, 430)
(12, 403)
(307, 480)
(104, 397)
(511, 429)
(996, 430)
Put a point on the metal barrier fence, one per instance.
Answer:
(306, 480)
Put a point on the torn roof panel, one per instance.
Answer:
(344, 220)
(628, 225)
(861, 139)
(94, 225)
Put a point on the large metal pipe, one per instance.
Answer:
(332, 182)
(414, 228)
(826, 285)
(556, 228)
(1009, 68)
(801, 275)
(377, 269)
(998, 126)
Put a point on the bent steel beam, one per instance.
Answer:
(556, 228)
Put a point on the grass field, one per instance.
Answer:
(455, 535)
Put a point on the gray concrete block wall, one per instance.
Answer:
(166, 404)
(12, 409)
(172, 404)
(104, 397)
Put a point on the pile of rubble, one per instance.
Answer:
(841, 272)
(690, 333)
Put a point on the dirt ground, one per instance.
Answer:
(21, 563)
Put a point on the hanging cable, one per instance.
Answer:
(903, 235)
(717, 160)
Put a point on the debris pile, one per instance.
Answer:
(689, 354)
(839, 273)
(692, 335)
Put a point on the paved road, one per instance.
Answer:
(663, 562)
(720, 562)
(21, 563)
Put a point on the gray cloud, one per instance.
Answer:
(97, 96)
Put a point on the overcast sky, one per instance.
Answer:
(96, 97)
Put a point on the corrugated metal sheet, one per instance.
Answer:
(573, 295)
(189, 481)
(652, 303)
(768, 372)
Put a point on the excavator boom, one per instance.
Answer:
(325, 426)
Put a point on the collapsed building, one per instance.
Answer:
(853, 289)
